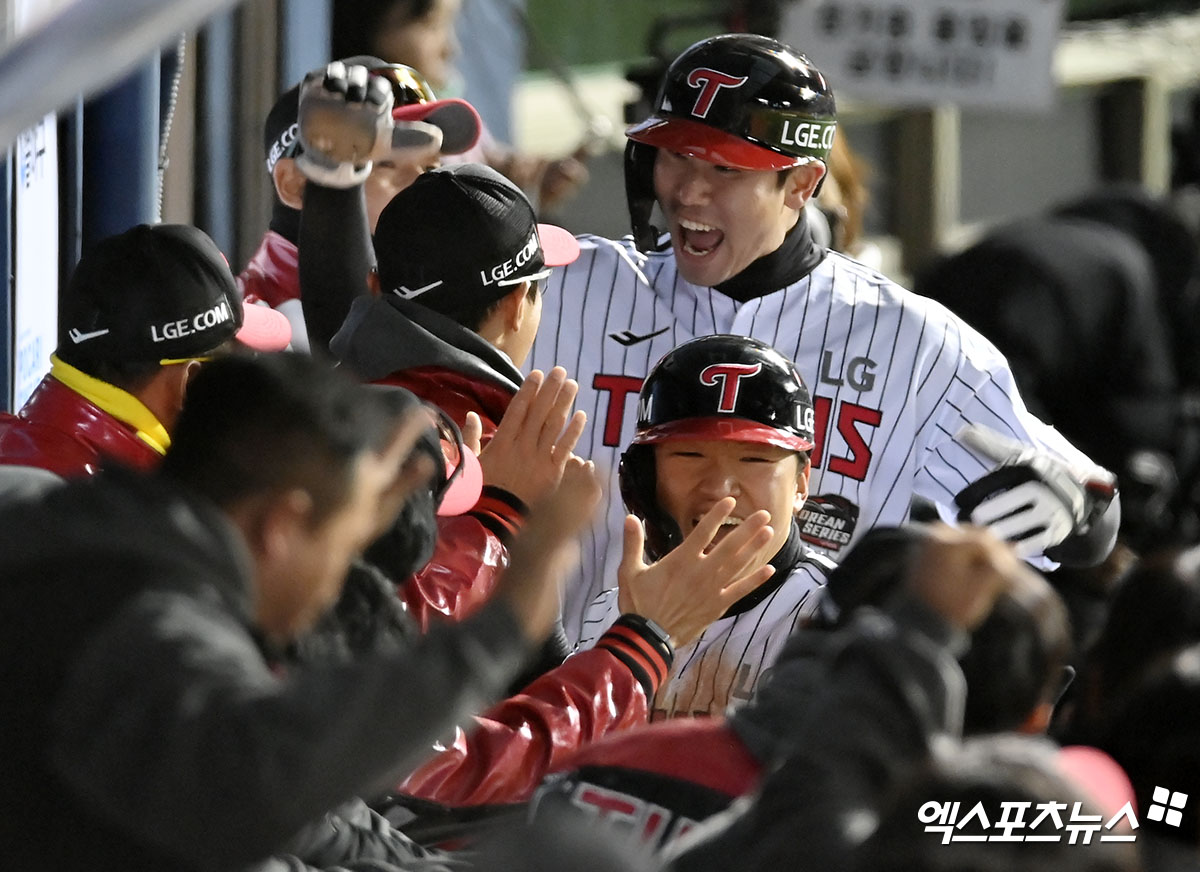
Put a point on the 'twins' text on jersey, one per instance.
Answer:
(893, 376)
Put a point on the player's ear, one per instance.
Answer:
(800, 184)
(289, 182)
(802, 476)
(515, 307)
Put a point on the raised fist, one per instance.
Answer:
(345, 122)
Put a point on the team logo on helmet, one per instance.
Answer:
(729, 376)
(710, 81)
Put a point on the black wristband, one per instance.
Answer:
(651, 632)
(508, 498)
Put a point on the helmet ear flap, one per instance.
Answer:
(639, 490)
(639, 193)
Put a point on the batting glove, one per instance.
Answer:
(1031, 498)
(345, 119)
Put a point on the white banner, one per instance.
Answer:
(35, 256)
(991, 53)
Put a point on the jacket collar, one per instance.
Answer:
(123, 406)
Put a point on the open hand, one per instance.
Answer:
(534, 439)
(697, 582)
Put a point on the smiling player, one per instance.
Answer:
(724, 424)
(736, 146)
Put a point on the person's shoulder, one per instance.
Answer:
(592, 246)
(31, 442)
(859, 284)
(21, 482)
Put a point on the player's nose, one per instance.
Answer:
(691, 186)
(716, 482)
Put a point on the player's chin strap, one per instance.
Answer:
(1038, 502)
(639, 193)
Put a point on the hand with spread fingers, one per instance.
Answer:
(697, 582)
(535, 438)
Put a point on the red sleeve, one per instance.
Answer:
(513, 745)
(471, 550)
(702, 751)
(466, 561)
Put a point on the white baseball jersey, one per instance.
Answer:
(723, 666)
(894, 377)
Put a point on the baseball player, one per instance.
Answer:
(908, 400)
(720, 417)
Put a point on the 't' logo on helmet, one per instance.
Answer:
(729, 375)
(709, 82)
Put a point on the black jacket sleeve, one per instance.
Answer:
(174, 727)
(891, 687)
(336, 255)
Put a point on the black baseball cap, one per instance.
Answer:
(161, 292)
(462, 236)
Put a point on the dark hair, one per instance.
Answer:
(990, 771)
(273, 423)
(355, 23)
(128, 375)
(1154, 611)
(1154, 739)
(869, 574)
(474, 317)
(1016, 662)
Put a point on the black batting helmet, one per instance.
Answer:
(739, 100)
(720, 387)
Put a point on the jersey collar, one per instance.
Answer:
(791, 261)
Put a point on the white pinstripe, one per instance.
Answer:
(929, 373)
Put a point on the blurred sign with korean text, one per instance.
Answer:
(987, 53)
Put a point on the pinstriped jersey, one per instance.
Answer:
(724, 665)
(894, 377)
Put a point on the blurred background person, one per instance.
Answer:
(421, 34)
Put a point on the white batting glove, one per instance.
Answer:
(1032, 499)
(345, 120)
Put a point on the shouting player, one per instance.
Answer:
(736, 147)
(720, 419)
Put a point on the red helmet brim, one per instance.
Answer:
(722, 430)
(709, 144)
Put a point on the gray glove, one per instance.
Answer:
(345, 120)
(1031, 498)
